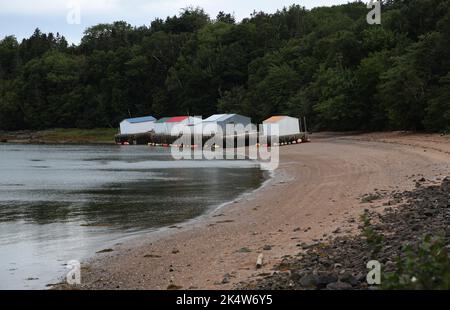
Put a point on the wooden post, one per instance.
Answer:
(306, 129)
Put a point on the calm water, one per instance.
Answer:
(60, 203)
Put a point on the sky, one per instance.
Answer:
(21, 17)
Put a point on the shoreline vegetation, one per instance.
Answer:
(379, 195)
(60, 136)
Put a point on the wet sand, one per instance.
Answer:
(312, 196)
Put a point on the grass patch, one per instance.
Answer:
(98, 135)
(374, 239)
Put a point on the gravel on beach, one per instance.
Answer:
(341, 263)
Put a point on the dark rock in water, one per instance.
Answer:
(340, 286)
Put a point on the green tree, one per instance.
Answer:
(234, 101)
(46, 87)
(438, 110)
(336, 106)
(9, 57)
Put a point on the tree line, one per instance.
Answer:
(327, 64)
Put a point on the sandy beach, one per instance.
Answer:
(313, 195)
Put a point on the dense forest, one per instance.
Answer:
(327, 64)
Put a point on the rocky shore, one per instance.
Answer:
(410, 239)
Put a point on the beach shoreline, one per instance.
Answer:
(315, 194)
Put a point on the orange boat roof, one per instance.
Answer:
(274, 119)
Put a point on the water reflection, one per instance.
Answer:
(65, 202)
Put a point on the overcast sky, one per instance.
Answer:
(21, 17)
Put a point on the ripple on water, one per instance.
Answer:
(87, 198)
